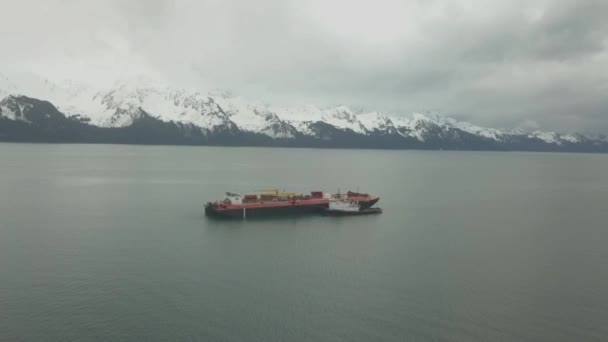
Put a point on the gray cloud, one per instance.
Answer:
(492, 62)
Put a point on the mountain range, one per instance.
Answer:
(142, 111)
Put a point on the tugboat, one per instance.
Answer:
(364, 200)
(272, 202)
(345, 207)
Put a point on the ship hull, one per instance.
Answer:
(370, 211)
(368, 204)
(246, 213)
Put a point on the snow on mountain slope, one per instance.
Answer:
(122, 104)
(548, 137)
(300, 118)
(115, 107)
(304, 127)
(571, 138)
(490, 133)
(555, 138)
(377, 122)
(419, 126)
(300, 114)
(68, 96)
(342, 117)
(246, 115)
(416, 126)
(254, 117)
(13, 110)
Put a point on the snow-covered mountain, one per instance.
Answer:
(123, 104)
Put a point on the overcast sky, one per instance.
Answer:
(499, 63)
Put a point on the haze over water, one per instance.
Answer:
(109, 242)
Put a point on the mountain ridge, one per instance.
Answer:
(189, 112)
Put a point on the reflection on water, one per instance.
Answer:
(102, 242)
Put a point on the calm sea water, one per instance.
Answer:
(109, 243)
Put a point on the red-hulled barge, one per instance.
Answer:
(275, 203)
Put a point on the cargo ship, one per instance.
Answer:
(273, 202)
